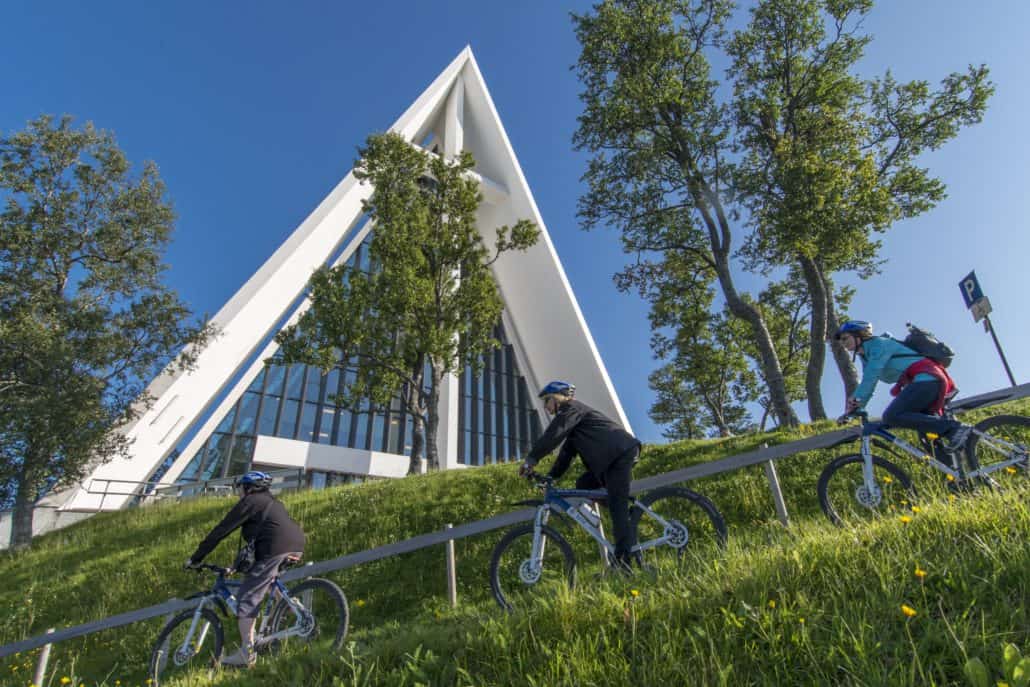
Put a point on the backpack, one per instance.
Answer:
(927, 345)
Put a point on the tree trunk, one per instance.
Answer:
(24, 504)
(432, 426)
(816, 339)
(765, 418)
(845, 365)
(417, 444)
(770, 362)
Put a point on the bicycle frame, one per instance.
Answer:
(556, 500)
(223, 597)
(879, 430)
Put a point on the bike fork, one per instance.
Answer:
(867, 466)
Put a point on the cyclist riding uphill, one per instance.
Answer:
(606, 449)
(275, 538)
(921, 385)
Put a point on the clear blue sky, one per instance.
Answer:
(253, 112)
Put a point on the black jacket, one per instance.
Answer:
(587, 433)
(273, 531)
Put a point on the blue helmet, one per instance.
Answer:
(559, 388)
(254, 479)
(859, 328)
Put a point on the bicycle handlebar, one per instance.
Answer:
(860, 414)
(539, 481)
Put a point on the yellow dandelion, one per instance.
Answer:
(772, 603)
(801, 621)
(887, 479)
(1003, 684)
(951, 498)
(950, 478)
(905, 519)
(634, 593)
(1011, 470)
(908, 611)
(931, 436)
(920, 573)
(359, 603)
(65, 680)
(916, 509)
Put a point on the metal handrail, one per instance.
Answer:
(422, 541)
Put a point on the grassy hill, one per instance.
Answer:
(809, 605)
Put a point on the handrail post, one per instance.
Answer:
(44, 658)
(777, 493)
(452, 571)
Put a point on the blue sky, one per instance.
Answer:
(253, 112)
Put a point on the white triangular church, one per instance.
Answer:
(241, 413)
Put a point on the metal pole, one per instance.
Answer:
(990, 327)
(44, 658)
(452, 572)
(777, 494)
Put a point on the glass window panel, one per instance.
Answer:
(288, 419)
(361, 423)
(318, 480)
(226, 424)
(377, 432)
(217, 453)
(307, 422)
(242, 452)
(332, 383)
(295, 381)
(268, 412)
(343, 433)
(276, 376)
(248, 413)
(313, 385)
(325, 429)
(258, 381)
(193, 468)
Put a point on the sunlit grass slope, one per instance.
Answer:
(811, 605)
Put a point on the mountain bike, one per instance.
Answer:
(535, 559)
(862, 485)
(312, 612)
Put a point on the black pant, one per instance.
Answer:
(909, 408)
(616, 480)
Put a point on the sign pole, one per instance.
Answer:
(990, 327)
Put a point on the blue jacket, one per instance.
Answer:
(884, 359)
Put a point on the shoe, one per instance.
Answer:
(958, 438)
(241, 659)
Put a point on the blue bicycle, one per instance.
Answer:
(535, 559)
(863, 485)
(313, 612)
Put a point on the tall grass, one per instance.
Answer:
(808, 605)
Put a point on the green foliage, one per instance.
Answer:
(836, 619)
(85, 321)
(430, 298)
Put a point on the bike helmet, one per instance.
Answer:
(254, 479)
(859, 328)
(557, 388)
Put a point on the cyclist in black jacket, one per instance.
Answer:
(276, 538)
(606, 449)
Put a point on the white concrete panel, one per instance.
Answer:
(290, 453)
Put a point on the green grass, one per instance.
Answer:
(809, 605)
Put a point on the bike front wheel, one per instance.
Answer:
(845, 496)
(693, 525)
(1003, 451)
(177, 652)
(318, 616)
(516, 578)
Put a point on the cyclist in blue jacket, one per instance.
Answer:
(606, 449)
(921, 385)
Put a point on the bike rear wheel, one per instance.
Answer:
(324, 618)
(515, 579)
(695, 528)
(204, 649)
(844, 496)
(1008, 439)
